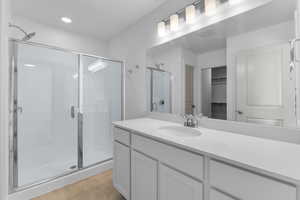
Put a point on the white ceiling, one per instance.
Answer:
(214, 37)
(98, 18)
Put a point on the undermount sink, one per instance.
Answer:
(179, 131)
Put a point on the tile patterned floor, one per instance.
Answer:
(95, 188)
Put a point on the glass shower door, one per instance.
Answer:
(46, 82)
(101, 104)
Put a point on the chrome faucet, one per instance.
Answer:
(191, 121)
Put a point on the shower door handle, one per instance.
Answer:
(73, 112)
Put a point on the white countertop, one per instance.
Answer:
(269, 156)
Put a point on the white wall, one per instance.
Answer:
(212, 59)
(277, 34)
(59, 38)
(4, 93)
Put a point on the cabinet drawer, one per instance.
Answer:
(247, 185)
(189, 163)
(122, 136)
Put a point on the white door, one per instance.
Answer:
(144, 177)
(265, 87)
(121, 170)
(176, 186)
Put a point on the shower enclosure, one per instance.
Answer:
(63, 103)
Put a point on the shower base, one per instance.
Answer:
(33, 174)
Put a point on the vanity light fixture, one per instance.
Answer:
(174, 22)
(161, 29)
(210, 7)
(66, 20)
(190, 14)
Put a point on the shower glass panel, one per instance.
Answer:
(101, 104)
(46, 93)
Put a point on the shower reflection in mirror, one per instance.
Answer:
(159, 84)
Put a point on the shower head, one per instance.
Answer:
(27, 36)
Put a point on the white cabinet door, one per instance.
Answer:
(144, 177)
(121, 170)
(176, 186)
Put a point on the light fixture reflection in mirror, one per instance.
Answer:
(190, 14)
(174, 22)
(210, 7)
(161, 28)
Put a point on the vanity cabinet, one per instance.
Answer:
(143, 177)
(152, 170)
(174, 185)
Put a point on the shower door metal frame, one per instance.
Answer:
(13, 135)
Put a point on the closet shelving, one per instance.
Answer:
(218, 99)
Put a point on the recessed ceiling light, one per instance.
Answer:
(29, 65)
(66, 20)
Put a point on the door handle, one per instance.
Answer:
(72, 112)
(239, 112)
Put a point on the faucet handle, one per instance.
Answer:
(184, 116)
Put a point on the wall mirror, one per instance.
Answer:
(239, 69)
